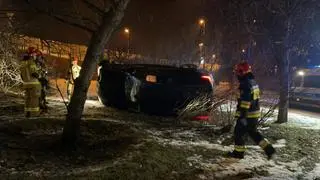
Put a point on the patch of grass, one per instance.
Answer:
(34, 145)
(150, 161)
(300, 144)
(108, 112)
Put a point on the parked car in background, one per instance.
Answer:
(156, 89)
(306, 88)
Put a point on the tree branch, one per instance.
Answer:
(71, 23)
(58, 18)
(93, 7)
(88, 20)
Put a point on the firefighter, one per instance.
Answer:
(43, 79)
(73, 74)
(31, 84)
(248, 113)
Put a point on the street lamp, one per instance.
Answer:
(202, 22)
(202, 27)
(127, 32)
(301, 74)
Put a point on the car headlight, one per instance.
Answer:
(301, 73)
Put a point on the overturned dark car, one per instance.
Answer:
(154, 89)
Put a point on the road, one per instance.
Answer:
(304, 118)
(304, 112)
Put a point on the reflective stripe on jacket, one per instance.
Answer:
(75, 71)
(27, 69)
(248, 102)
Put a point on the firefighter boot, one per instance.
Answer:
(235, 154)
(269, 150)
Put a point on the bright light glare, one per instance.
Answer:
(99, 68)
(301, 73)
(209, 78)
(202, 21)
(126, 30)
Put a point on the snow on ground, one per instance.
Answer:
(304, 119)
(93, 103)
(254, 161)
(300, 118)
(281, 143)
(202, 144)
(89, 103)
(315, 173)
(276, 170)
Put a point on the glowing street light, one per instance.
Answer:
(127, 31)
(243, 50)
(202, 27)
(202, 22)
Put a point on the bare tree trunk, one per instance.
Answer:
(110, 22)
(284, 88)
(284, 77)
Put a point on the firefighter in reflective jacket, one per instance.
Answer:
(73, 73)
(31, 84)
(248, 113)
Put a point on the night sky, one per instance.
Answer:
(157, 23)
(159, 28)
(153, 24)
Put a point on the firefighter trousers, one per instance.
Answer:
(244, 127)
(32, 96)
(42, 100)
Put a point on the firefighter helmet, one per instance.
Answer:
(242, 69)
(75, 60)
